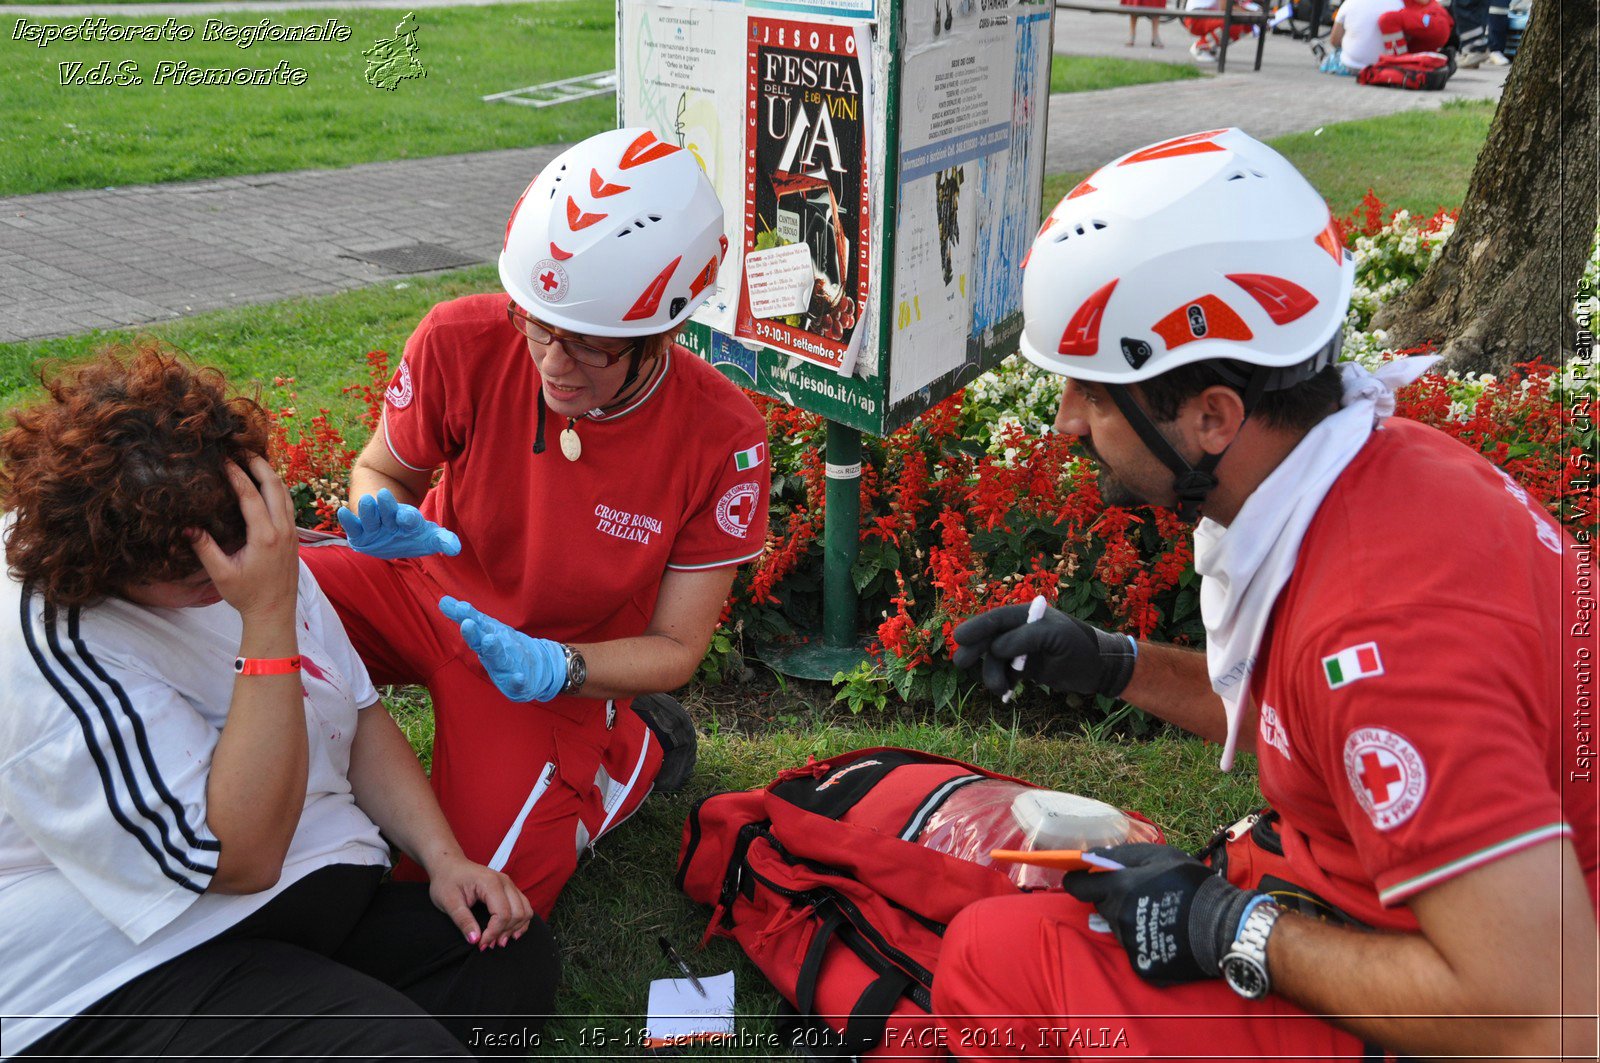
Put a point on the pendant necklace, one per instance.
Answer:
(571, 445)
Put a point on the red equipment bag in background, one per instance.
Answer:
(838, 879)
(1414, 70)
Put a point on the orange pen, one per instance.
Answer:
(1057, 859)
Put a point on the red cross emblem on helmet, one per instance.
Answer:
(549, 280)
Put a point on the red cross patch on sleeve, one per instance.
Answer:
(737, 508)
(1387, 775)
(399, 392)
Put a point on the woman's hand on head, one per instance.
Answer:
(457, 884)
(263, 576)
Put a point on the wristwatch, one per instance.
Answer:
(577, 670)
(1244, 965)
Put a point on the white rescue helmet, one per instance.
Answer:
(1207, 246)
(620, 235)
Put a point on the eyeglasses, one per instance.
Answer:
(579, 351)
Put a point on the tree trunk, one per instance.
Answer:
(1501, 291)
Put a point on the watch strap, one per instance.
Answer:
(1255, 902)
(1245, 965)
(577, 670)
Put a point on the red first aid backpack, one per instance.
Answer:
(824, 880)
(1414, 70)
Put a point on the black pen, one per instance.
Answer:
(677, 961)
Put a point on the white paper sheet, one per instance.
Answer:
(679, 1014)
(779, 280)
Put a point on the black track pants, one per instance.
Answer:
(340, 965)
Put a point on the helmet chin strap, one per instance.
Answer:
(1192, 483)
(623, 395)
(538, 428)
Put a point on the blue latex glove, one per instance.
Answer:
(523, 667)
(390, 530)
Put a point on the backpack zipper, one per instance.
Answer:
(857, 920)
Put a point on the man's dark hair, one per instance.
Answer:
(1298, 408)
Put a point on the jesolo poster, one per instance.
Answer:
(806, 183)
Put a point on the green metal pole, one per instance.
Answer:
(841, 535)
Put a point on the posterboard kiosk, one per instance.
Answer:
(880, 163)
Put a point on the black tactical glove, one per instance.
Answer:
(1063, 652)
(1173, 916)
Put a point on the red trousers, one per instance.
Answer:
(527, 787)
(1210, 29)
(1025, 978)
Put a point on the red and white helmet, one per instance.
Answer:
(1208, 246)
(620, 235)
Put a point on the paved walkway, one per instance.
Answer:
(1286, 96)
(73, 261)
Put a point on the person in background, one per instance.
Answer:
(605, 484)
(1208, 31)
(1155, 22)
(1424, 25)
(1484, 26)
(197, 779)
(1357, 39)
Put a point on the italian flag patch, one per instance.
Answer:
(1357, 662)
(749, 459)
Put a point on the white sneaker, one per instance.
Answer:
(1469, 59)
(1202, 54)
(1498, 59)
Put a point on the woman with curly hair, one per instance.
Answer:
(196, 776)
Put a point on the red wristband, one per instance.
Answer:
(266, 665)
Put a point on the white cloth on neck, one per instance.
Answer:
(1245, 564)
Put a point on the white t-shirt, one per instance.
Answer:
(108, 718)
(1363, 42)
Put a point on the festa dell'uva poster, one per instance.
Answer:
(806, 192)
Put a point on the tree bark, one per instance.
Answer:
(1501, 291)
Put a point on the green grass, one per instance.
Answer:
(61, 137)
(1085, 73)
(623, 897)
(1419, 160)
(58, 137)
(60, 3)
(322, 342)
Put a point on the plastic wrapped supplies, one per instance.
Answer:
(995, 814)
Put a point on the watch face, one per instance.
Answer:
(1245, 976)
(577, 671)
